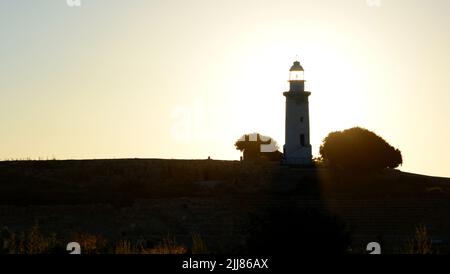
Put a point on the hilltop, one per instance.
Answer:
(146, 198)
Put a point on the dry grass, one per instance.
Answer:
(90, 244)
(167, 246)
(33, 241)
(198, 245)
(126, 247)
(421, 243)
(28, 242)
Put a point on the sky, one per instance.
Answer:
(184, 79)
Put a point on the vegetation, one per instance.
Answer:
(421, 243)
(359, 149)
(31, 241)
(34, 241)
(256, 146)
(198, 245)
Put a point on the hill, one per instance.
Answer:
(145, 199)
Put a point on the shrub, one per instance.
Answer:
(359, 149)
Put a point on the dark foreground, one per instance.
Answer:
(225, 207)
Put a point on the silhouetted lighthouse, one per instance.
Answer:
(297, 147)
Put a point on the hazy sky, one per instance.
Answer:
(185, 79)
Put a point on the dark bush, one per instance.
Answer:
(359, 149)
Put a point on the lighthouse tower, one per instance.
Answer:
(297, 147)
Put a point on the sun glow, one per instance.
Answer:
(172, 79)
(257, 88)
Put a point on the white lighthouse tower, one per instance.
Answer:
(297, 147)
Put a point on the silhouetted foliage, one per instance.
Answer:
(359, 149)
(256, 146)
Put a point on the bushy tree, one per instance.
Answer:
(359, 149)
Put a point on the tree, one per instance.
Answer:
(256, 146)
(359, 149)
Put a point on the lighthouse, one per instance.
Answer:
(297, 147)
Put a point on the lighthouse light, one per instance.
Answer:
(296, 76)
